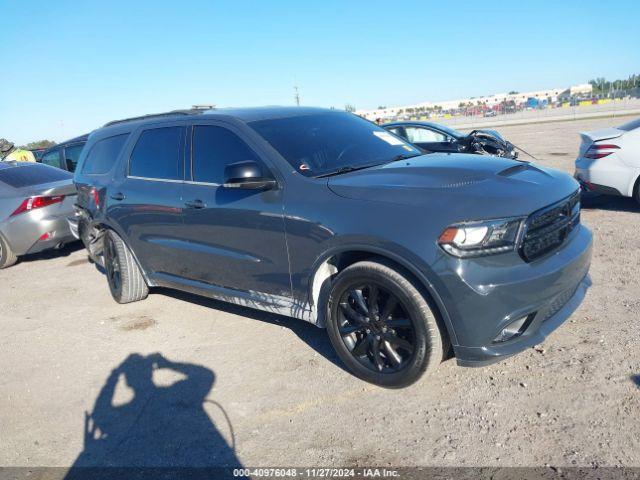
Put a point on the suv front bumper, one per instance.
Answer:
(541, 326)
(486, 294)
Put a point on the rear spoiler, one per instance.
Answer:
(604, 134)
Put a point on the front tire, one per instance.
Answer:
(126, 282)
(7, 257)
(381, 325)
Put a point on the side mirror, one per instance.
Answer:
(247, 175)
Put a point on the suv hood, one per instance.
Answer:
(470, 187)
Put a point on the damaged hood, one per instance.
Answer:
(467, 186)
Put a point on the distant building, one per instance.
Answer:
(489, 101)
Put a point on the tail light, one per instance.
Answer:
(598, 150)
(33, 203)
(96, 196)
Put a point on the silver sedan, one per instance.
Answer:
(35, 201)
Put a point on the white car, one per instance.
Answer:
(609, 160)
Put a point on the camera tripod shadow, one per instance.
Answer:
(157, 426)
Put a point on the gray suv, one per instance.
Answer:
(318, 214)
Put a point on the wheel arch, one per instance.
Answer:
(335, 260)
(104, 226)
(635, 187)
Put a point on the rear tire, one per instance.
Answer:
(7, 257)
(126, 282)
(381, 325)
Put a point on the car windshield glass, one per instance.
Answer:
(323, 143)
(451, 131)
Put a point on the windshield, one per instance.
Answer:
(451, 131)
(323, 143)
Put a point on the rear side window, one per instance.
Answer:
(52, 158)
(33, 174)
(72, 155)
(103, 155)
(213, 149)
(157, 154)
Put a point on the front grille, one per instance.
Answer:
(547, 229)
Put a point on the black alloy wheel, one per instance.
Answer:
(382, 325)
(376, 328)
(112, 265)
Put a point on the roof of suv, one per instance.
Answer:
(249, 114)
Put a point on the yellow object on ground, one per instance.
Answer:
(20, 156)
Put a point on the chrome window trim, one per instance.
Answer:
(210, 184)
(166, 180)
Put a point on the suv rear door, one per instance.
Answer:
(236, 237)
(145, 198)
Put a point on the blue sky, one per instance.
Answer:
(70, 66)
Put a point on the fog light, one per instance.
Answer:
(514, 329)
(46, 236)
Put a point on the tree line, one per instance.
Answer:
(602, 85)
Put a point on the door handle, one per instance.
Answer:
(195, 204)
(118, 196)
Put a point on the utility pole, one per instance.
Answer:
(296, 95)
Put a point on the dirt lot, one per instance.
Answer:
(280, 396)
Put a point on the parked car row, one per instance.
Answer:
(403, 255)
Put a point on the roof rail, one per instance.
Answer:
(172, 113)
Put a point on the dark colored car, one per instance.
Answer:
(433, 137)
(37, 153)
(324, 216)
(64, 155)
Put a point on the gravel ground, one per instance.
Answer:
(280, 396)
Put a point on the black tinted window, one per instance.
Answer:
(32, 174)
(72, 155)
(157, 154)
(103, 155)
(213, 149)
(52, 158)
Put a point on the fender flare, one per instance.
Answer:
(402, 260)
(106, 225)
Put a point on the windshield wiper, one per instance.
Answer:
(404, 156)
(347, 169)
(352, 168)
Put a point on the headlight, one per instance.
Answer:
(481, 238)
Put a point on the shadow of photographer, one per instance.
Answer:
(155, 426)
